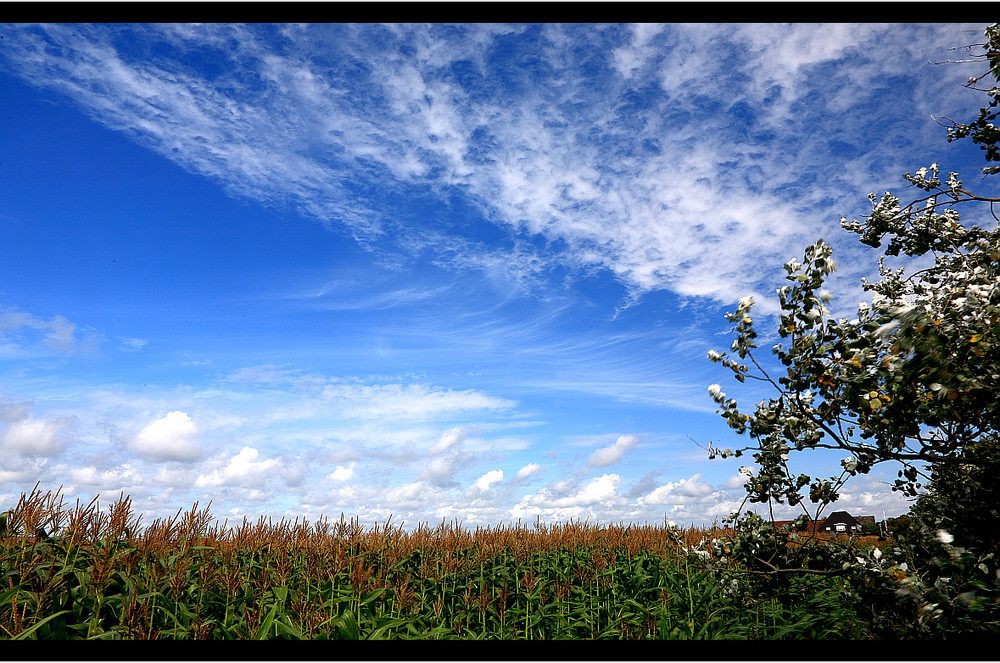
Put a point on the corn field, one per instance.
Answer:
(79, 572)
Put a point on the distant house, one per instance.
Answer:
(838, 522)
(841, 522)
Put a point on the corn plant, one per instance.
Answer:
(85, 573)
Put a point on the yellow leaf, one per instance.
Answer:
(976, 338)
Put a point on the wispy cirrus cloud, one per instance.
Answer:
(23, 334)
(615, 155)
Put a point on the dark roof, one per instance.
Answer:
(841, 517)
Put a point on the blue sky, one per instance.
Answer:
(461, 272)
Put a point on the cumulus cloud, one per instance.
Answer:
(735, 481)
(122, 477)
(243, 467)
(171, 437)
(342, 473)
(568, 494)
(685, 491)
(484, 482)
(614, 453)
(37, 437)
(414, 495)
(450, 438)
(528, 470)
(440, 471)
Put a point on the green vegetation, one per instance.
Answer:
(913, 381)
(79, 573)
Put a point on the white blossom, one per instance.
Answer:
(944, 536)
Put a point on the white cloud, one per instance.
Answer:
(566, 494)
(639, 53)
(685, 491)
(12, 410)
(678, 183)
(172, 437)
(527, 471)
(124, 476)
(133, 344)
(415, 495)
(414, 401)
(377, 402)
(342, 473)
(37, 437)
(612, 454)
(25, 335)
(484, 482)
(735, 481)
(243, 467)
(449, 439)
(440, 471)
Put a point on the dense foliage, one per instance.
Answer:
(85, 574)
(914, 380)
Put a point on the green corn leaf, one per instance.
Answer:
(265, 626)
(371, 597)
(23, 635)
(347, 626)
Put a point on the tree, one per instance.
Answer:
(982, 130)
(914, 380)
